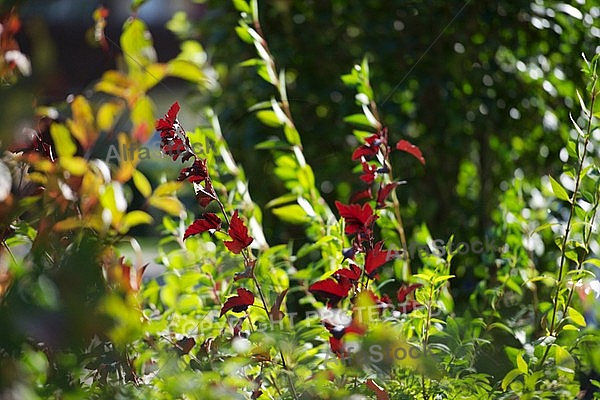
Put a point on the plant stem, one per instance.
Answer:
(561, 270)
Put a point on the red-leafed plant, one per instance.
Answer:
(366, 255)
(176, 143)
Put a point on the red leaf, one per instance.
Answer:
(239, 303)
(205, 194)
(170, 118)
(369, 149)
(330, 290)
(375, 258)
(275, 313)
(409, 306)
(410, 148)
(357, 218)
(247, 273)
(380, 393)
(207, 222)
(185, 345)
(384, 191)
(336, 346)
(197, 172)
(405, 290)
(361, 195)
(239, 234)
(369, 172)
(353, 273)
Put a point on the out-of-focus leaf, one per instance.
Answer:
(134, 218)
(185, 70)
(358, 119)
(75, 165)
(293, 214)
(82, 124)
(151, 76)
(166, 188)
(63, 141)
(141, 183)
(170, 205)
(105, 117)
(136, 42)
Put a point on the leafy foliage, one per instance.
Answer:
(359, 304)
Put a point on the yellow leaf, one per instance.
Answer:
(75, 165)
(127, 163)
(169, 205)
(141, 183)
(134, 218)
(68, 224)
(152, 75)
(82, 124)
(107, 114)
(63, 142)
(143, 111)
(186, 70)
(166, 188)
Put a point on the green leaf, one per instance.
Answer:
(272, 144)
(291, 135)
(521, 364)
(63, 141)
(293, 214)
(509, 377)
(358, 119)
(576, 316)
(242, 6)
(286, 198)
(442, 278)
(594, 261)
(559, 190)
(500, 325)
(269, 118)
(564, 360)
(253, 62)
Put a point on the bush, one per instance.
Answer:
(355, 302)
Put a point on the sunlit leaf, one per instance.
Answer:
(63, 141)
(170, 205)
(141, 183)
(558, 190)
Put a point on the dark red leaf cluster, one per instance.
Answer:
(197, 172)
(370, 148)
(173, 140)
(359, 220)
